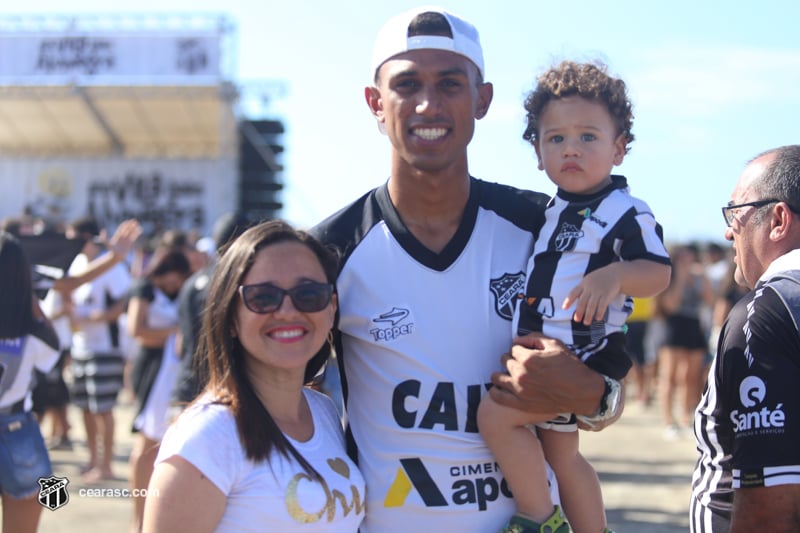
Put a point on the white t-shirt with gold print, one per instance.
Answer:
(277, 495)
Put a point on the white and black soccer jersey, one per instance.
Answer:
(746, 424)
(581, 234)
(419, 334)
(18, 359)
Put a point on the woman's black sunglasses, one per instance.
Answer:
(309, 297)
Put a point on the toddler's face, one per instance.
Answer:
(578, 144)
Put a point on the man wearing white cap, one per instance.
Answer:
(432, 262)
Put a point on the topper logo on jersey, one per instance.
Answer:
(396, 328)
(567, 237)
(473, 484)
(751, 419)
(506, 290)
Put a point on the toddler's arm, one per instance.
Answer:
(640, 278)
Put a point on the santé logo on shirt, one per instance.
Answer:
(755, 418)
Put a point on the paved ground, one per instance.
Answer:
(645, 478)
(109, 512)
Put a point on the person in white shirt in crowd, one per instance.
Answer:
(96, 361)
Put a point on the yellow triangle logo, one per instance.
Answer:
(398, 492)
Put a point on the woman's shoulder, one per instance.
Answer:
(207, 409)
(205, 436)
(203, 419)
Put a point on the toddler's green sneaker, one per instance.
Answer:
(554, 524)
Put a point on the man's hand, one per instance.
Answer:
(546, 377)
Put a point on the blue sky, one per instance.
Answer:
(713, 83)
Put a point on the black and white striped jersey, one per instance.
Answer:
(747, 424)
(581, 234)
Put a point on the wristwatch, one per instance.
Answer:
(609, 403)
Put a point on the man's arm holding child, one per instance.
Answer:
(544, 376)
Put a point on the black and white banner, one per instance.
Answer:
(147, 57)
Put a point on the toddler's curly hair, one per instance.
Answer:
(587, 80)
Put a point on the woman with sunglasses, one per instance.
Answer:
(259, 451)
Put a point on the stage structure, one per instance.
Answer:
(122, 116)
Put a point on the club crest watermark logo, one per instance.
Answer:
(53, 492)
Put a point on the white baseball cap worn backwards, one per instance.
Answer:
(393, 38)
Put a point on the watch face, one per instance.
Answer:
(609, 403)
(610, 398)
(613, 399)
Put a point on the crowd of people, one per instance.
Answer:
(113, 309)
(473, 326)
(671, 337)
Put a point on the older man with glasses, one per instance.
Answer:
(747, 424)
